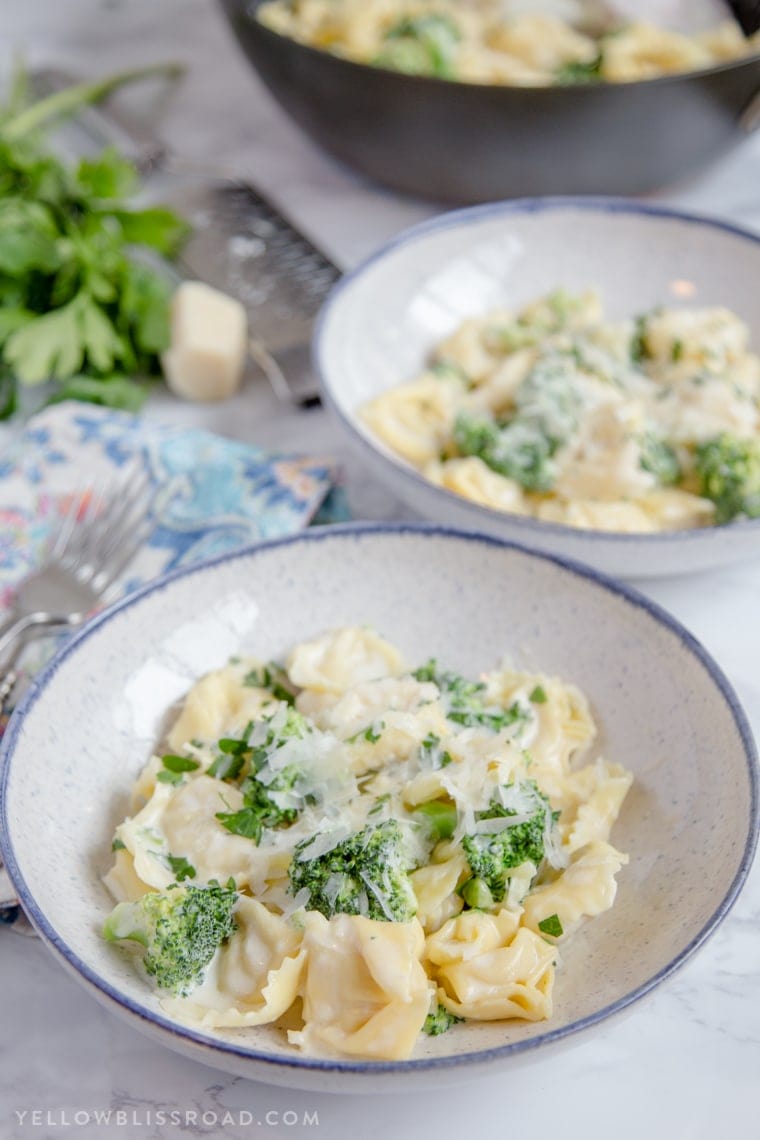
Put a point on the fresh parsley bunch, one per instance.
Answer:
(80, 303)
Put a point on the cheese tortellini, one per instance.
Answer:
(482, 42)
(642, 425)
(402, 848)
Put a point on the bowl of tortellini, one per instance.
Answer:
(581, 375)
(470, 102)
(378, 807)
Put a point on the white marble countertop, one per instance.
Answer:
(682, 1066)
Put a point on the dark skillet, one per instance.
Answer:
(463, 142)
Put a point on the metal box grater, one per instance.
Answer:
(243, 245)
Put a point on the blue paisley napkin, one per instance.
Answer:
(212, 495)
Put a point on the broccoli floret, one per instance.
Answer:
(367, 874)
(465, 701)
(729, 473)
(181, 929)
(270, 798)
(550, 399)
(518, 450)
(420, 45)
(439, 1021)
(547, 406)
(660, 459)
(492, 855)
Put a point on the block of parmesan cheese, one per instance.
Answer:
(209, 334)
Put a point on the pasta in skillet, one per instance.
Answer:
(647, 424)
(397, 849)
(478, 42)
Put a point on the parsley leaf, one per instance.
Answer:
(551, 925)
(227, 766)
(181, 868)
(179, 763)
(274, 678)
(167, 777)
(77, 306)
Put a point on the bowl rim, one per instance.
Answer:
(250, 13)
(90, 976)
(472, 215)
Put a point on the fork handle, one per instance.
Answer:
(12, 632)
(7, 685)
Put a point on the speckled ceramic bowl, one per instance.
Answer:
(666, 712)
(381, 321)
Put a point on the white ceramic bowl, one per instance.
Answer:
(381, 321)
(666, 711)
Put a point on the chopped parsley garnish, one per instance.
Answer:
(676, 351)
(261, 808)
(371, 734)
(551, 925)
(118, 844)
(179, 763)
(174, 767)
(167, 777)
(181, 868)
(274, 678)
(227, 766)
(538, 696)
(431, 753)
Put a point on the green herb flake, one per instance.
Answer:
(274, 678)
(676, 351)
(245, 822)
(371, 734)
(179, 763)
(181, 868)
(118, 844)
(232, 747)
(379, 804)
(551, 925)
(538, 696)
(167, 777)
(227, 766)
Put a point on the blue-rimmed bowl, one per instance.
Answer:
(381, 321)
(666, 712)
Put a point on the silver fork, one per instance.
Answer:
(97, 538)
